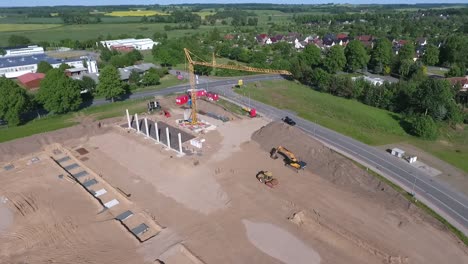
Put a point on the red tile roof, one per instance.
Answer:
(341, 36)
(364, 38)
(28, 77)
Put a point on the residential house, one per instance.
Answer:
(366, 40)
(328, 40)
(229, 37)
(463, 81)
(342, 39)
(261, 39)
(421, 42)
(299, 44)
(292, 36)
(310, 38)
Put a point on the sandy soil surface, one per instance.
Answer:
(452, 176)
(54, 221)
(211, 202)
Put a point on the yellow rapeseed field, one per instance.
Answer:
(26, 27)
(135, 13)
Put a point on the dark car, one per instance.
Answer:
(289, 121)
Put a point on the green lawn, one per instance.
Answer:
(36, 126)
(52, 123)
(367, 124)
(166, 81)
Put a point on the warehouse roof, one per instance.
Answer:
(31, 59)
(25, 78)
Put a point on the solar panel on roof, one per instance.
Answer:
(140, 229)
(89, 183)
(63, 159)
(71, 166)
(123, 216)
(80, 174)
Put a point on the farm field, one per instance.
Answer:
(26, 27)
(84, 32)
(135, 13)
(365, 123)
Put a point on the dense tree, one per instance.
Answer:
(434, 97)
(335, 59)
(311, 55)
(58, 93)
(64, 66)
(151, 77)
(134, 77)
(13, 101)
(356, 55)
(431, 57)
(424, 126)
(110, 85)
(456, 71)
(2, 51)
(43, 67)
(15, 40)
(381, 55)
(406, 52)
(454, 50)
(87, 83)
(321, 79)
(405, 68)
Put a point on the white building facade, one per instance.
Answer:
(138, 44)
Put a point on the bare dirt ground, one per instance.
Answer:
(54, 221)
(452, 176)
(212, 206)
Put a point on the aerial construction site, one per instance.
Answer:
(153, 188)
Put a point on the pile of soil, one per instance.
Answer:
(332, 166)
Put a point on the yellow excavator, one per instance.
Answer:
(289, 158)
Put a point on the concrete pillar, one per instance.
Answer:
(147, 128)
(168, 139)
(180, 144)
(128, 119)
(137, 123)
(157, 131)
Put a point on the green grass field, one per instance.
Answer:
(84, 32)
(36, 126)
(365, 123)
(26, 27)
(52, 123)
(135, 13)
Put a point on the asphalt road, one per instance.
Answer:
(440, 197)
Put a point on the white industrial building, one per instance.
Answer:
(131, 43)
(21, 60)
(23, 51)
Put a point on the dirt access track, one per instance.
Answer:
(211, 206)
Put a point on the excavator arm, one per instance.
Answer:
(289, 158)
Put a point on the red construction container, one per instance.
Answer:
(212, 96)
(200, 92)
(182, 99)
(253, 112)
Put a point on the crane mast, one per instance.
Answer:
(214, 65)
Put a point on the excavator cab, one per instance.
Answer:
(289, 158)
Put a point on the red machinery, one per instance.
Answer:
(182, 99)
(212, 96)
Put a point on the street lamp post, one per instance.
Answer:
(414, 184)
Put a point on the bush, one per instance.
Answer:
(424, 127)
(465, 118)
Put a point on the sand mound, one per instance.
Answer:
(320, 159)
(333, 167)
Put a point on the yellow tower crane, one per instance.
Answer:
(213, 64)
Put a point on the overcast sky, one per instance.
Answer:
(163, 2)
